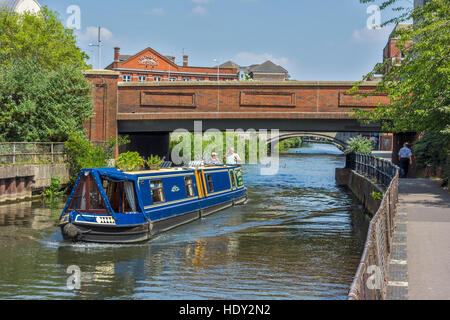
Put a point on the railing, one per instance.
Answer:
(31, 152)
(370, 281)
(381, 170)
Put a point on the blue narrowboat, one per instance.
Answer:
(110, 206)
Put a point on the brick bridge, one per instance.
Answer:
(147, 112)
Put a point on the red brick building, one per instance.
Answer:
(149, 65)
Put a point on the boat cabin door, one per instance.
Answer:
(201, 184)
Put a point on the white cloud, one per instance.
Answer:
(157, 11)
(245, 58)
(371, 35)
(200, 10)
(91, 35)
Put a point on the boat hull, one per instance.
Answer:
(90, 232)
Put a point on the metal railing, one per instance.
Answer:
(31, 152)
(383, 171)
(370, 282)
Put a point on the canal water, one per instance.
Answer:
(300, 236)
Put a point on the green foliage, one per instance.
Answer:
(419, 86)
(432, 150)
(42, 105)
(40, 36)
(82, 154)
(377, 195)
(130, 161)
(359, 145)
(54, 189)
(287, 144)
(154, 161)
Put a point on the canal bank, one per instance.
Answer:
(299, 237)
(20, 182)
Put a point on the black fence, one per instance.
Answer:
(383, 171)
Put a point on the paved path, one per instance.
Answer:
(420, 261)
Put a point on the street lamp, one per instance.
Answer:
(99, 45)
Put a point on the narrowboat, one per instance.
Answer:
(110, 206)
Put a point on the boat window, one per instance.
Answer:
(189, 187)
(210, 183)
(87, 196)
(157, 191)
(121, 195)
(233, 181)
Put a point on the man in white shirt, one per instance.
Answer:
(405, 157)
(232, 158)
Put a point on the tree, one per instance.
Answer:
(37, 104)
(40, 36)
(44, 95)
(359, 145)
(419, 86)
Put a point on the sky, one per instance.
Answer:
(320, 40)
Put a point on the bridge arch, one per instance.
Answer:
(315, 137)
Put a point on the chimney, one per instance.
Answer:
(185, 60)
(116, 57)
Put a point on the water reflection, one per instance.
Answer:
(299, 237)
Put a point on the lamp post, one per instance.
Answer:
(99, 45)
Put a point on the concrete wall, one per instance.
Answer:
(361, 187)
(19, 182)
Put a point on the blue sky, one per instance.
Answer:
(313, 40)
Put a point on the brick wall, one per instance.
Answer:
(103, 124)
(237, 100)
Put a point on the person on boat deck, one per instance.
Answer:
(214, 159)
(232, 158)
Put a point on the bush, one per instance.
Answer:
(54, 189)
(130, 161)
(359, 145)
(81, 154)
(154, 162)
(433, 149)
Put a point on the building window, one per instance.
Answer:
(186, 79)
(142, 78)
(210, 183)
(157, 79)
(200, 80)
(173, 79)
(126, 78)
(157, 191)
(189, 187)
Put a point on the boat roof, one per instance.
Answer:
(116, 174)
(180, 169)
